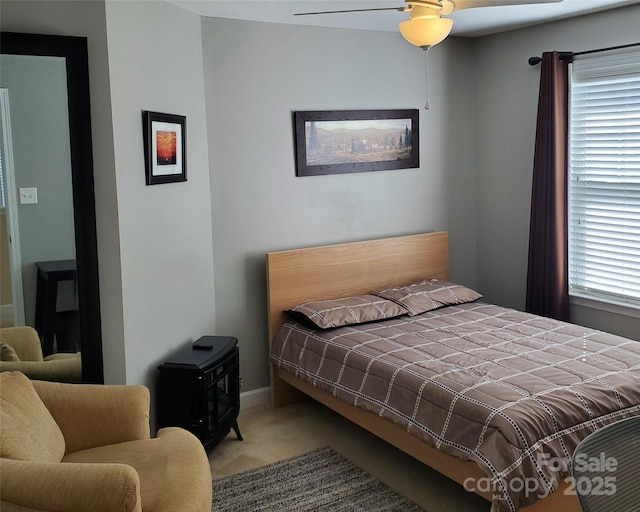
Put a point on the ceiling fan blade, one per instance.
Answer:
(470, 4)
(403, 8)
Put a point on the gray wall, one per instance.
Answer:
(256, 75)
(40, 131)
(505, 131)
(166, 258)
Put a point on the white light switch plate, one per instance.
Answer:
(28, 195)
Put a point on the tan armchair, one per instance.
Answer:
(22, 352)
(81, 447)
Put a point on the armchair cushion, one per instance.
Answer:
(27, 429)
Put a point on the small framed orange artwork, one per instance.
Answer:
(164, 147)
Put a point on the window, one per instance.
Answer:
(604, 178)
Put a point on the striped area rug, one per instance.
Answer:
(321, 480)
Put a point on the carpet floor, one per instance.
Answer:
(321, 480)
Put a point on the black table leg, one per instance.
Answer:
(236, 429)
(49, 327)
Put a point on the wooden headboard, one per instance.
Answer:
(334, 271)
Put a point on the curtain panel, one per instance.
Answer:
(547, 272)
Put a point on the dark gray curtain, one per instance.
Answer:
(547, 274)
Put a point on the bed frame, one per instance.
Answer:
(334, 271)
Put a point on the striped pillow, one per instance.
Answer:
(425, 296)
(358, 309)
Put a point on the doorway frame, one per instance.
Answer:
(11, 210)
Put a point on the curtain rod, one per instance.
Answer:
(568, 56)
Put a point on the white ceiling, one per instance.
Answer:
(467, 23)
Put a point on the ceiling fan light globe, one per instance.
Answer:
(425, 32)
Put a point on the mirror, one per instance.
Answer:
(78, 264)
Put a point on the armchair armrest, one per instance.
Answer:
(91, 415)
(63, 355)
(59, 369)
(67, 487)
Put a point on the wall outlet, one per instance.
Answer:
(28, 195)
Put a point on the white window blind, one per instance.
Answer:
(604, 177)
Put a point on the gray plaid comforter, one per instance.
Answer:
(511, 391)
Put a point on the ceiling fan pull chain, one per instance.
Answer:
(426, 74)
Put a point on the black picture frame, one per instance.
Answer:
(355, 141)
(165, 147)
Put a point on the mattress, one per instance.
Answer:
(511, 391)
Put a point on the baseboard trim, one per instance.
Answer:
(254, 398)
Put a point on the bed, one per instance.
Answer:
(351, 269)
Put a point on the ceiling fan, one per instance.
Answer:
(425, 27)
